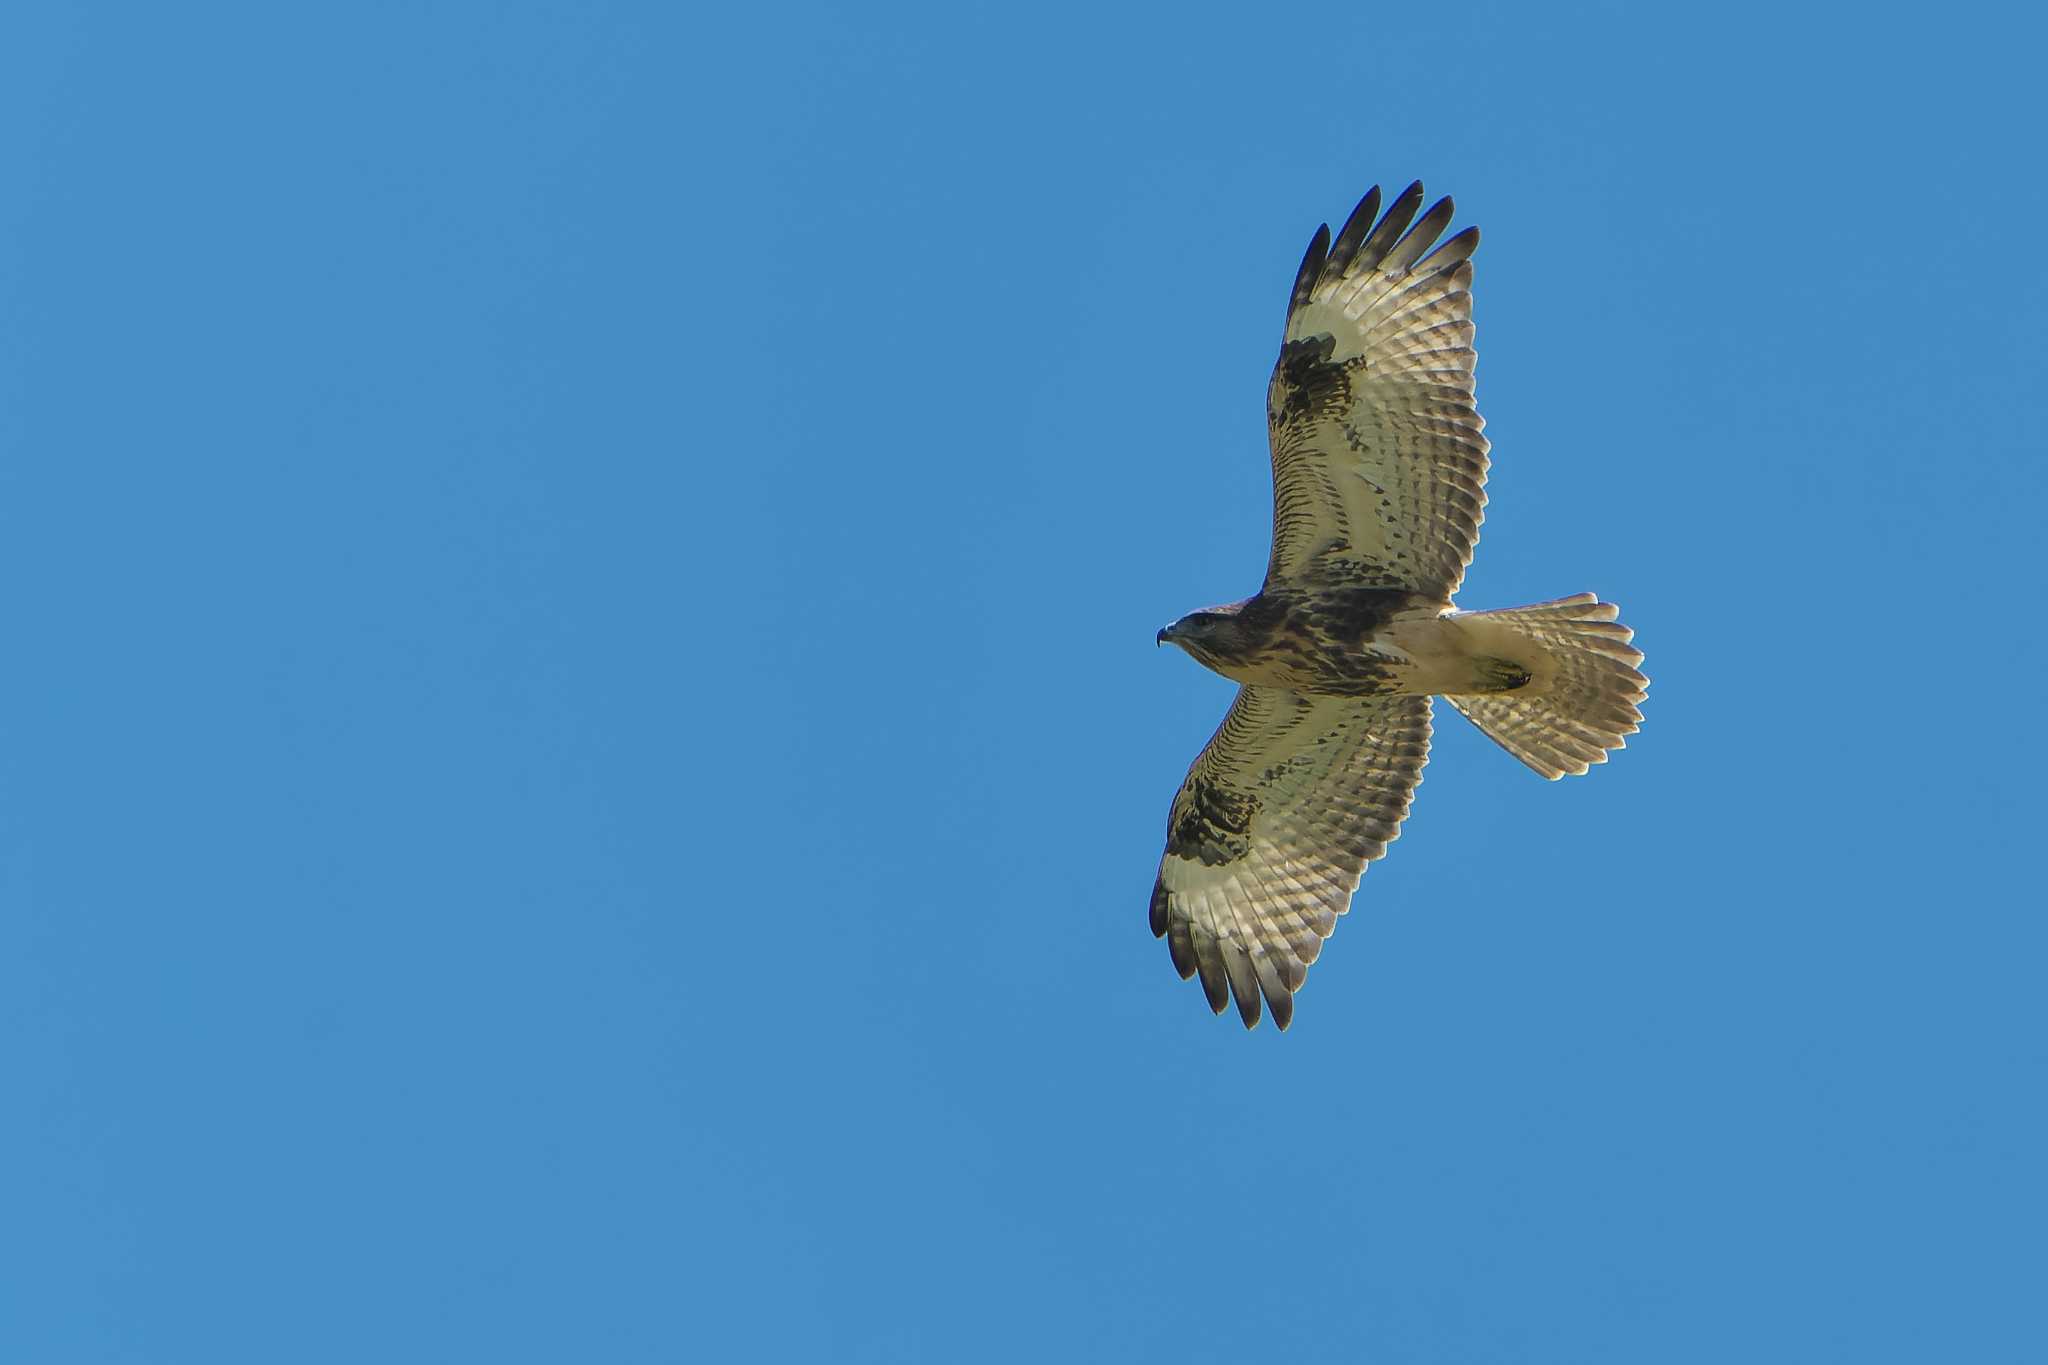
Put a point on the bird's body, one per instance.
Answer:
(1379, 470)
(1326, 640)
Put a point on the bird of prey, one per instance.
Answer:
(1379, 473)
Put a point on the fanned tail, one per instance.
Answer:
(1579, 698)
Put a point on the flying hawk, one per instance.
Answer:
(1379, 472)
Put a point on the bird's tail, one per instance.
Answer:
(1572, 694)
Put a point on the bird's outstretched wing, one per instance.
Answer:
(1289, 801)
(1379, 468)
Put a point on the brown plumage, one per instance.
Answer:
(1379, 474)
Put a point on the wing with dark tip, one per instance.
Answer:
(1379, 467)
(1267, 838)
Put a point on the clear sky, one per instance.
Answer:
(582, 753)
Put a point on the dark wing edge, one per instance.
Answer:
(1268, 836)
(1391, 246)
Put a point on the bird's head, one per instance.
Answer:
(1206, 634)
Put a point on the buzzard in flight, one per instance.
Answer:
(1379, 474)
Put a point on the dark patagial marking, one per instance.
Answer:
(1311, 384)
(1213, 825)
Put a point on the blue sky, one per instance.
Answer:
(584, 751)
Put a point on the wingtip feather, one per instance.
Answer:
(1273, 983)
(1355, 228)
(1244, 982)
(1398, 216)
(1456, 248)
(1311, 269)
(1422, 236)
(1209, 962)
